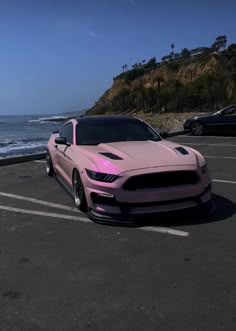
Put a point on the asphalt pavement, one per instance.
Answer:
(60, 271)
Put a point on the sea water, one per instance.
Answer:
(20, 135)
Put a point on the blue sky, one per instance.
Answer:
(59, 55)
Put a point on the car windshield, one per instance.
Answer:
(110, 131)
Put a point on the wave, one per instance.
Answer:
(23, 141)
(52, 119)
(22, 149)
(22, 146)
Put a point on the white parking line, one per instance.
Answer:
(165, 230)
(205, 137)
(220, 157)
(202, 144)
(40, 161)
(84, 219)
(223, 181)
(40, 202)
(41, 213)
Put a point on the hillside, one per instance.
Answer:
(181, 84)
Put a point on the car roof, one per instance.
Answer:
(100, 118)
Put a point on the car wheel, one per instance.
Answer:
(78, 191)
(49, 165)
(198, 128)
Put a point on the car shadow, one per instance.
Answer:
(223, 209)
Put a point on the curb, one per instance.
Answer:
(22, 158)
(177, 133)
(171, 133)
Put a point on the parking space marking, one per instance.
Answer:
(41, 213)
(86, 220)
(220, 157)
(165, 230)
(223, 181)
(40, 202)
(204, 137)
(40, 161)
(203, 144)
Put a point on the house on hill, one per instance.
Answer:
(200, 51)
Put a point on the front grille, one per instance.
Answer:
(161, 179)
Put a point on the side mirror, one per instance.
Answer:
(163, 134)
(61, 141)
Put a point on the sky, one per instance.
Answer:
(61, 55)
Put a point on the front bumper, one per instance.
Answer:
(187, 126)
(200, 205)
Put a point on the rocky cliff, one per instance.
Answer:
(179, 85)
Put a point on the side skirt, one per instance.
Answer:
(64, 184)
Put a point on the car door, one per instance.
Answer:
(230, 119)
(64, 153)
(213, 123)
(222, 121)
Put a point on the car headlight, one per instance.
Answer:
(101, 177)
(204, 169)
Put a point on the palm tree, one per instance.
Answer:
(178, 85)
(134, 66)
(172, 47)
(123, 99)
(141, 90)
(143, 61)
(151, 97)
(123, 68)
(159, 80)
(210, 81)
(185, 53)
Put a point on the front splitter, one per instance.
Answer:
(203, 210)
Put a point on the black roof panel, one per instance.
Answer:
(98, 118)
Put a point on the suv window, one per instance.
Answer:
(67, 132)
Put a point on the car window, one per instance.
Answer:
(67, 132)
(230, 111)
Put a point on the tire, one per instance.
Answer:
(198, 128)
(49, 165)
(78, 192)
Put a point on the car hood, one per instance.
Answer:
(138, 155)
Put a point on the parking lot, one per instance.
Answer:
(60, 271)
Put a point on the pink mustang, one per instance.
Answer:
(118, 167)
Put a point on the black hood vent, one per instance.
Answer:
(182, 150)
(111, 156)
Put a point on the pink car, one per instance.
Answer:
(118, 167)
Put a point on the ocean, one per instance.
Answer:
(20, 135)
